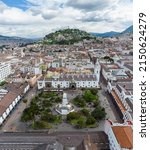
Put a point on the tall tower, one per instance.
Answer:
(22, 53)
(97, 70)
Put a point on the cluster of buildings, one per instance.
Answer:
(119, 80)
(82, 65)
(72, 78)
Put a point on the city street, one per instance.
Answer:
(107, 102)
(24, 141)
(44, 141)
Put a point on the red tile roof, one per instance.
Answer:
(6, 101)
(124, 136)
(118, 101)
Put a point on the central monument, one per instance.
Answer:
(65, 107)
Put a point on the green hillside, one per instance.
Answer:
(66, 37)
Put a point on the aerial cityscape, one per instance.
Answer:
(69, 87)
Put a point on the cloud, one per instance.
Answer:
(95, 16)
(45, 16)
(14, 16)
(49, 14)
(2, 7)
(91, 5)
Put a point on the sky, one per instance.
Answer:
(36, 18)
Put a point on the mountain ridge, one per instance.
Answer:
(113, 33)
(64, 36)
(8, 40)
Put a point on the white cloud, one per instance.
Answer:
(45, 16)
(91, 5)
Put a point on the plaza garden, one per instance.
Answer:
(41, 114)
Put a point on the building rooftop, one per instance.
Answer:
(70, 140)
(118, 101)
(72, 77)
(6, 101)
(124, 136)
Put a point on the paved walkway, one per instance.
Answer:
(64, 127)
(104, 103)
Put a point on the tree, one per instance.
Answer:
(80, 123)
(89, 97)
(2, 83)
(72, 116)
(27, 115)
(52, 118)
(40, 125)
(58, 100)
(109, 59)
(90, 120)
(94, 91)
(96, 103)
(46, 103)
(80, 102)
(98, 113)
(85, 112)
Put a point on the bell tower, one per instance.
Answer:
(97, 70)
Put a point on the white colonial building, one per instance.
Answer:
(10, 98)
(7, 103)
(123, 95)
(5, 70)
(74, 80)
(31, 69)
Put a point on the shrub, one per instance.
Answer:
(89, 97)
(80, 123)
(40, 125)
(27, 115)
(85, 112)
(72, 116)
(98, 113)
(79, 102)
(94, 91)
(90, 120)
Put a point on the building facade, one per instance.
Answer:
(5, 71)
(10, 98)
(72, 80)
